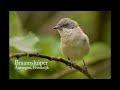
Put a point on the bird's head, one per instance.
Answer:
(66, 24)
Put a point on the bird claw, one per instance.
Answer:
(84, 68)
(71, 64)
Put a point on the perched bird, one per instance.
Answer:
(74, 42)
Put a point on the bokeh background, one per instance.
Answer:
(31, 32)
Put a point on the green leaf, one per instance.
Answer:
(25, 43)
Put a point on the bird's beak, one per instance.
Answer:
(56, 27)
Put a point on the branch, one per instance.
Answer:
(68, 63)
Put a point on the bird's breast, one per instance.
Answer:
(74, 48)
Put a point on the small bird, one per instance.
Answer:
(74, 42)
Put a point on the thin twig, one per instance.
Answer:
(65, 72)
(68, 63)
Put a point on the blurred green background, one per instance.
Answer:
(31, 32)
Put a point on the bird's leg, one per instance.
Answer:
(85, 66)
(71, 62)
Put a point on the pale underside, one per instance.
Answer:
(74, 46)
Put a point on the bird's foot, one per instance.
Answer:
(71, 63)
(84, 67)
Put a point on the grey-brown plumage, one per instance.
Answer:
(74, 42)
